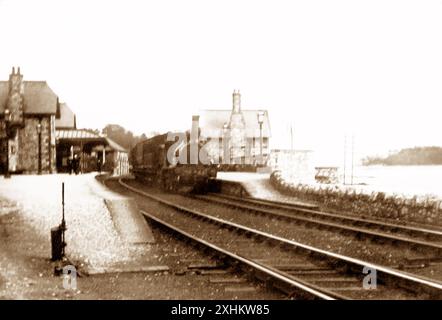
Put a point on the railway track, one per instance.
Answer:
(423, 239)
(293, 267)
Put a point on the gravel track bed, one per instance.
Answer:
(348, 245)
(248, 247)
(178, 255)
(27, 273)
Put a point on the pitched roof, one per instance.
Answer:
(87, 136)
(67, 118)
(115, 146)
(77, 134)
(212, 123)
(38, 97)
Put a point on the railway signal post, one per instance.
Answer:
(58, 234)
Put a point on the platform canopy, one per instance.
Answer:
(84, 136)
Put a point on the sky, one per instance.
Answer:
(368, 69)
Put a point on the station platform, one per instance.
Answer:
(256, 185)
(103, 227)
(129, 223)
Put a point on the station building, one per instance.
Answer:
(234, 136)
(27, 125)
(38, 133)
(95, 151)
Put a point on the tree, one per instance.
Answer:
(123, 137)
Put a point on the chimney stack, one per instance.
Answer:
(15, 102)
(236, 102)
(194, 139)
(16, 80)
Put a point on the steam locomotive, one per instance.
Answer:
(172, 161)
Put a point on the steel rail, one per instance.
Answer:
(323, 294)
(299, 207)
(432, 287)
(372, 233)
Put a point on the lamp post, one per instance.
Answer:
(7, 121)
(39, 147)
(260, 121)
(225, 144)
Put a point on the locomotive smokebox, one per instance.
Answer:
(194, 140)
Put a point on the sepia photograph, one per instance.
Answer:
(220, 156)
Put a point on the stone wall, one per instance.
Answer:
(28, 146)
(427, 210)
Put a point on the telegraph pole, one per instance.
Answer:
(352, 156)
(345, 154)
(291, 137)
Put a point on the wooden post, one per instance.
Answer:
(345, 154)
(63, 222)
(81, 156)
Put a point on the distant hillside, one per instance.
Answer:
(408, 157)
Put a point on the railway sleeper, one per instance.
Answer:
(313, 273)
(425, 293)
(338, 285)
(299, 267)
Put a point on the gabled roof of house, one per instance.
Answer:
(67, 118)
(38, 97)
(212, 123)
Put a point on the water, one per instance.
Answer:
(409, 180)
